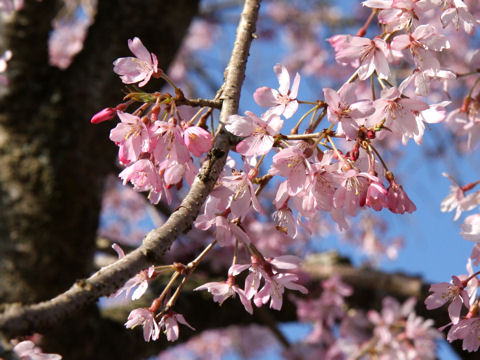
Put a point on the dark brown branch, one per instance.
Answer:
(398, 285)
(217, 104)
(18, 320)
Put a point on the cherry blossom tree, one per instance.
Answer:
(236, 200)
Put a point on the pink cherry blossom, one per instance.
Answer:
(216, 203)
(372, 55)
(276, 278)
(274, 288)
(363, 127)
(319, 195)
(400, 114)
(174, 172)
(139, 281)
(26, 350)
(344, 108)
(458, 200)
(66, 40)
(475, 255)
(423, 334)
(452, 293)
(340, 42)
(144, 317)
(466, 121)
(335, 290)
(260, 132)
(284, 100)
(401, 334)
(457, 13)
(422, 42)
(132, 137)
(226, 230)
(138, 285)
(292, 164)
(142, 174)
(170, 143)
(243, 194)
(352, 193)
(391, 314)
(197, 140)
(399, 14)
(223, 290)
(467, 330)
(139, 68)
(170, 322)
(471, 228)
(422, 79)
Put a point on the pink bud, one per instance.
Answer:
(103, 115)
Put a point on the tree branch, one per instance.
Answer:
(18, 320)
(217, 104)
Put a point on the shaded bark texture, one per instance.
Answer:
(53, 161)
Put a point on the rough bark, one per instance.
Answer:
(53, 160)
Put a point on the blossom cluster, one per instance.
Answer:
(461, 293)
(156, 147)
(338, 332)
(27, 350)
(276, 274)
(338, 169)
(461, 296)
(459, 201)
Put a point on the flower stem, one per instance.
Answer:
(370, 146)
(295, 129)
(191, 268)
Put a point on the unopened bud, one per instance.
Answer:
(308, 152)
(362, 31)
(354, 154)
(103, 115)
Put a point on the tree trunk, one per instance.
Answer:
(52, 160)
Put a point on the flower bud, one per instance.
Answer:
(103, 115)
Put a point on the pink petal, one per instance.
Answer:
(240, 125)
(180, 318)
(290, 109)
(255, 145)
(295, 85)
(283, 78)
(265, 96)
(139, 50)
(400, 42)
